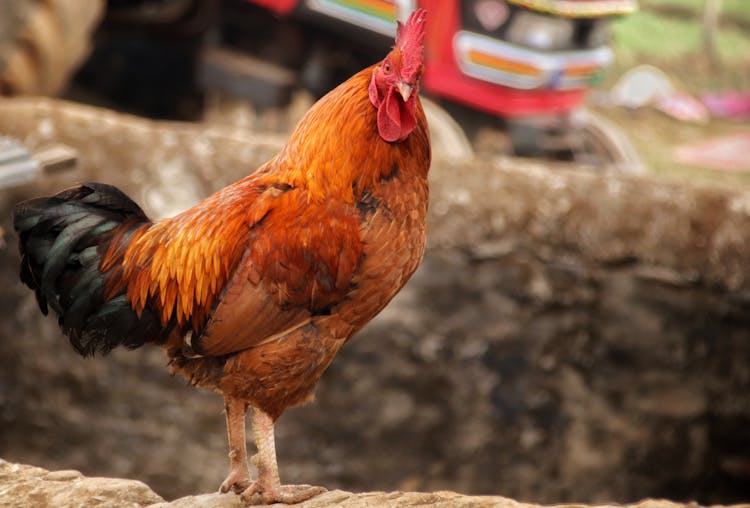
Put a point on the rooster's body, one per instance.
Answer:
(254, 290)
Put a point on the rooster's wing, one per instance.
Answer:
(300, 260)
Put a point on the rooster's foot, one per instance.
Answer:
(238, 481)
(287, 494)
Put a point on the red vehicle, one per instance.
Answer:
(529, 62)
(507, 57)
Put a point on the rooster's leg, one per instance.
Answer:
(239, 476)
(268, 485)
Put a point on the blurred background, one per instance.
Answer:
(580, 328)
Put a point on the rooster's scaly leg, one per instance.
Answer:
(239, 476)
(268, 485)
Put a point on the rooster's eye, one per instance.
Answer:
(387, 68)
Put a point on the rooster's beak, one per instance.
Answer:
(405, 90)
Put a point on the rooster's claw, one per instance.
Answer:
(287, 494)
(237, 482)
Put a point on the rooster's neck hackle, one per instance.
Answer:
(336, 150)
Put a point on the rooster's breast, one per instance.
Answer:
(393, 233)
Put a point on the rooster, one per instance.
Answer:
(253, 291)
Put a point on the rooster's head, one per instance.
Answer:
(395, 80)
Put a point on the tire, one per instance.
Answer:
(42, 42)
(585, 138)
(605, 143)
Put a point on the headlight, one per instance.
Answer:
(539, 31)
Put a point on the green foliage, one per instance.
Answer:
(730, 8)
(651, 34)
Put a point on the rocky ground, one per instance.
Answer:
(22, 486)
(570, 337)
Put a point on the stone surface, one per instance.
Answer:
(570, 337)
(23, 486)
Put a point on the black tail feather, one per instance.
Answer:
(62, 239)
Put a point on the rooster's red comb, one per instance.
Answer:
(409, 37)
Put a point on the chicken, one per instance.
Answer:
(253, 291)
